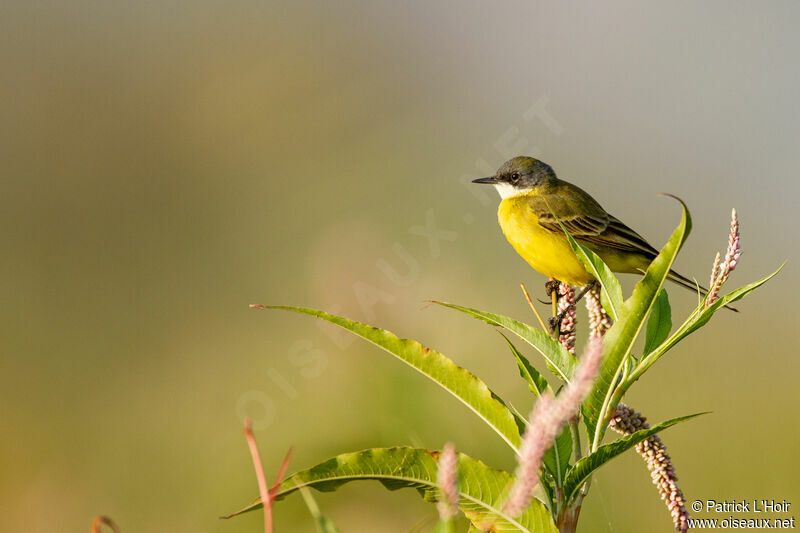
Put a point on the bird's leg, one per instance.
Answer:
(584, 290)
(554, 286)
(551, 289)
(555, 320)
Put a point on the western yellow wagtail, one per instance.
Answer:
(534, 200)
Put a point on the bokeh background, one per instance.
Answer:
(165, 164)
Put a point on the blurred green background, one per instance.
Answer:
(165, 164)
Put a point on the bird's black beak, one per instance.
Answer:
(490, 180)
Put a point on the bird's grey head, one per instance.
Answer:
(518, 176)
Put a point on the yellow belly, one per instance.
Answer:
(546, 251)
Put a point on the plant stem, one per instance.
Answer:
(263, 488)
(533, 307)
(604, 416)
(567, 520)
(576, 439)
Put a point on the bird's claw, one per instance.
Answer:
(555, 321)
(551, 286)
(551, 289)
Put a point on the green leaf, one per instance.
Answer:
(482, 490)
(698, 319)
(559, 360)
(579, 473)
(619, 339)
(556, 459)
(611, 291)
(536, 382)
(659, 323)
(458, 381)
(324, 525)
(707, 312)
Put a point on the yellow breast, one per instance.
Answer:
(546, 251)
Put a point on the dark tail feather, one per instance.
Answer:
(683, 281)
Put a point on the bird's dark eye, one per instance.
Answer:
(515, 177)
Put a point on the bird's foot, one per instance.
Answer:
(578, 297)
(555, 322)
(551, 289)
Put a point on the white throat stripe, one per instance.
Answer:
(506, 190)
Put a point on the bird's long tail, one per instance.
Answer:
(683, 281)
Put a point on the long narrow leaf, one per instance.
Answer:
(698, 319)
(482, 490)
(536, 381)
(659, 323)
(458, 381)
(611, 291)
(581, 471)
(619, 339)
(707, 312)
(559, 360)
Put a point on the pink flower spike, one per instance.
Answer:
(627, 421)
(535, 443)
(720, 272)
(714, 271)
(571, 398)
(734, 250)
(599, 321)
(546, 421)
(447, 479)
(566, 305)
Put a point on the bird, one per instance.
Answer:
(534, 200)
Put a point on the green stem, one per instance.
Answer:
(567, 519)
(603, 417)
(650, 359)
(576, 439)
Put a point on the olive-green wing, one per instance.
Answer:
(576, 210)
(620, 236)
(587, 222)
(590, 225)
